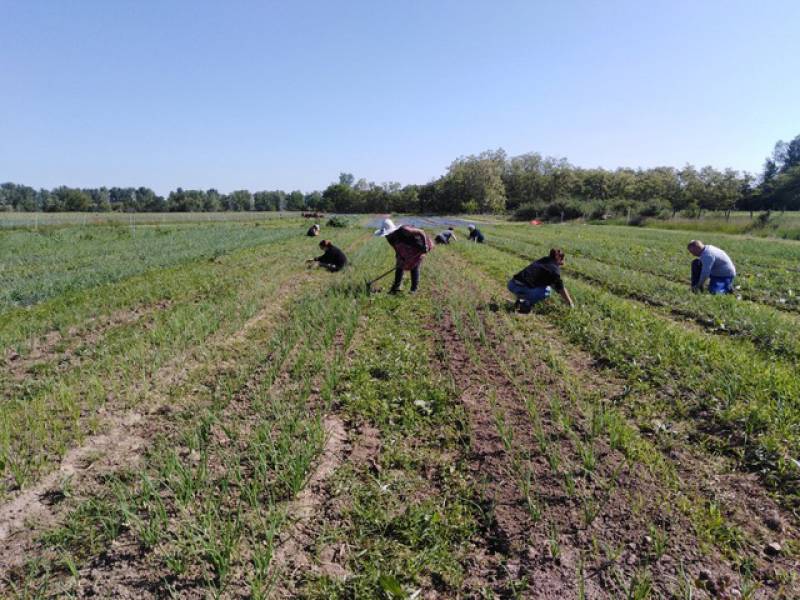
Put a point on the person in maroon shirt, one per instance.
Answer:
(410, 245)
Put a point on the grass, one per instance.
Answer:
(485, 453)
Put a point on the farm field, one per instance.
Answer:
(189, 411)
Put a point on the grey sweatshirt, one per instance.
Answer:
(716, 263)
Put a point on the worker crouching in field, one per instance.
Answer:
(333, 259)
(313, 231)
(533, 284)
(475, 234)
(410, 245)
(712, 264)
(446, 236)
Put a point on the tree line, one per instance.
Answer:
(529, 185)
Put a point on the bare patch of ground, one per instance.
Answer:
(37, 507)
(290, 552)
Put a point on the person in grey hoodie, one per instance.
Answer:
(711, 264)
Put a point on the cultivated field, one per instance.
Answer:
(189, 411)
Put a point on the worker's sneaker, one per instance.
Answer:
(524, 307)
(413, 291)
(394, 290)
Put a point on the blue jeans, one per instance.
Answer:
(528, 295)
(716, 285)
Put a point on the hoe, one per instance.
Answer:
(378, 278)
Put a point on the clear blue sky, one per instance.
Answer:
(285, 95)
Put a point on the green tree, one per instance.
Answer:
(239, 200)
(295, 201)
(73, 200)
(475, 182)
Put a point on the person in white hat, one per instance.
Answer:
(313, 231)
(475, 234)
(410, 245)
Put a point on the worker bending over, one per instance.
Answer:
(410, 246)
(475, 234)
(533, 284)
(333, 259)
(712, 264)
(446, 236)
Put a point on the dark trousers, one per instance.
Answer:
(331, 267)
(697, 267)
(398, 278)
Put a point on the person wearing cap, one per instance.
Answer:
(475, 234)
(533, 284)
(313, 231)
(446, 236)
(410, 245)
(332, 259)
(713, 264)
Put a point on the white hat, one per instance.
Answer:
(387, 227)
(316, 225)
(470, 226)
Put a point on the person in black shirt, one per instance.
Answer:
(333, 259)
(475, 234)
(313, 231)
(533, 284)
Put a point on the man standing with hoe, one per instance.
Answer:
(410, 244)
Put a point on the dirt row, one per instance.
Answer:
(127, 434)
(746, 503)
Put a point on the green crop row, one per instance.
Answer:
(40, 265)
(748, 405)
(773, 331)
(762, 275)
(55, 404)
(208, 504)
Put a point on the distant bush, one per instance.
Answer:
(338, 222)
(655, 208)
(564, 209)
(528, 211)
(596, 211)
(691, 212)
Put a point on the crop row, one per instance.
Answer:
(209, 500)
(40, 265)
(773, 331)
(47, 411)
(776, 284)
(745, 404)
(576, 423)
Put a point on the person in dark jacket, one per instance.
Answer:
(410, 245)
(533, 284)
(475, 234)
(313, 231)
(333, 259)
